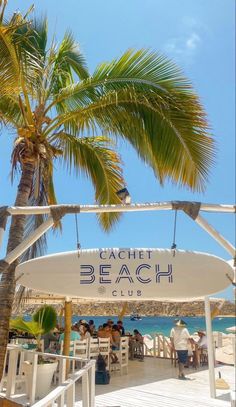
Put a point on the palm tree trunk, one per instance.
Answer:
(7, 283)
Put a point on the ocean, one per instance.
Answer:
(151, 325)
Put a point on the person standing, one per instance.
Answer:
(180, 339)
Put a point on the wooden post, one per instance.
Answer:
(67, 321)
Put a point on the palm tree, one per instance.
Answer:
(61, 112)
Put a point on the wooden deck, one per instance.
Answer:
(154, 383)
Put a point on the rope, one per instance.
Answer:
(174, 245)
(77, 235)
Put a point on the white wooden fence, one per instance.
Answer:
(64, 393)
(158, 347)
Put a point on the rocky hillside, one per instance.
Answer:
(151, 308)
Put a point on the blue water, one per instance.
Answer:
(150, 325)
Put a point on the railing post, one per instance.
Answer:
(159, 346)
(62, 371)
(220, 340)
(164, 347)
(92, 385)
(155, 346)
(70, 397)
(4, 368)
(11, 379)
(33, 381)
(85, 390)
(61, 400)
(234, 351)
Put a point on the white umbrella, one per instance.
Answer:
(225, 355)
(231, 329)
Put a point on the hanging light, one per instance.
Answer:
(124, 196)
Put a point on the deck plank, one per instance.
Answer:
(154, 383)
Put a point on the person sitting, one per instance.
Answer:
(50, 342)
(115, 337)
(202, 342)
(110, 323)
(105, 332)
(92, 327)
(74, 336)
(201, 347)
(136, 345)
(85, 332)
(121, 327)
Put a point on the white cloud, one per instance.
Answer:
(185, 45)
(193, 41)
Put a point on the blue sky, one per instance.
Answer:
(199, 37)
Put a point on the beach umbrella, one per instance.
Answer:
(231, 329)
(225, 355)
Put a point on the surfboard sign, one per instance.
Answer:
(127, 274)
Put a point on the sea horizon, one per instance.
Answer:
(162, 324)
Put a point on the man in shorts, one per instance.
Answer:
(180, 339)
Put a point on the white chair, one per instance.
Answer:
(105, 349)
(122, 356)
(82, 349)
(14, 359)
(93, 349)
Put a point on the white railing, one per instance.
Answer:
(64, 393)
(161, 347)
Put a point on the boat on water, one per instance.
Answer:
(135, 317)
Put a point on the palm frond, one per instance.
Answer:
(33, 37)
(67, 59)
(95, 158)
(143, 70)
(9, 66)
(10, 111)
(31, 327)
(170, 135)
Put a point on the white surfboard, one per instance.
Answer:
(127, 274)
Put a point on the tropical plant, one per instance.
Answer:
(43, 321)
(62, 113)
